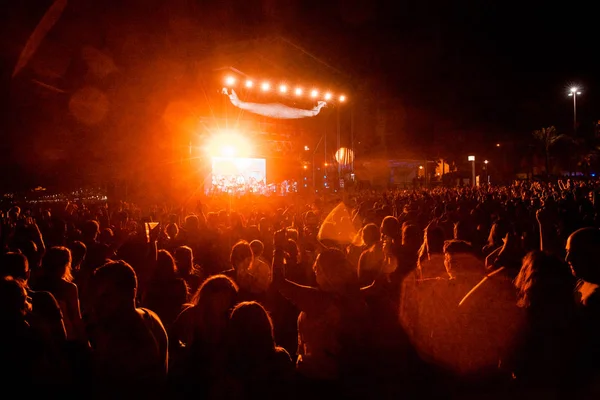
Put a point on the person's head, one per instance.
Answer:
(411, 237)
(212, 304)
(172, 230)
(90, 230)
(257, 248)
(191, 223)
(78, 252)
(251, 330)
(15, 265)
(334, 273)
(291, 252)
(370, 234)
(56, 263)
(114, 289)
(390, 227)
(184, 259)
(543, 279)
(583, 254)
(292, 233)
(14, 212)
(106, 236)
(241, 256)
(14, 303)
(165, 265)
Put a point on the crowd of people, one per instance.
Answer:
(454, 292)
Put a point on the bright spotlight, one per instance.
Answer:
(574, 89)
(249, 83)
(306, 148)
(298, 91)
(471, 158)
(327, 96)
(342, 98)
(265, 86)
(305, 166)
(314, 93)
(283, 88)
(230, 81)
(228, 145)
(420, 167)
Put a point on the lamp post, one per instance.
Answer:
(472, 159)
(487, 175)
(574, 92)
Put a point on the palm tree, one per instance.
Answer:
(547, 137)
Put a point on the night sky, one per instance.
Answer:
(495, 69)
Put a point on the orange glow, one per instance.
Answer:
(314, 93)
(228, 145)
(265, 86)
(249, 83)
(342, 98)
(230, 81)
(283, 89)
(327, 96)
(298, 92)
(305, 166)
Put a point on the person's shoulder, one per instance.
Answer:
(44, 302)
(282, 357)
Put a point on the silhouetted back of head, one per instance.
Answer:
(251, 329)
(240, 253)
(257, 248)
(583, 254)
(90, 230)
(119, 276)
(56, 263)
(390, 227)
(165, 265)
(13, 299)
(78, 252)
(184, 258)
(15, 265)
(370, 234)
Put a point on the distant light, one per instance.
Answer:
(471, 158)
(342, 98)
(298, 92)
(420, 167)
(306, 148)
(265, 86)
(283, 89)
(574, 89)
(593, 175)
(327, 96)
(305, 166)
(230, 81)
(249, 83)
(578, 92)
(326, 164)
(497, 144)
(314, 93)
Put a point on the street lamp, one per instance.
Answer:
(574, 92)
(472, 159)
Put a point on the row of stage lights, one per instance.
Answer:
(283, 89)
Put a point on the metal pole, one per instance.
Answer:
(473, 167)
(352, 136)
(339, 142)
(575, 112)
